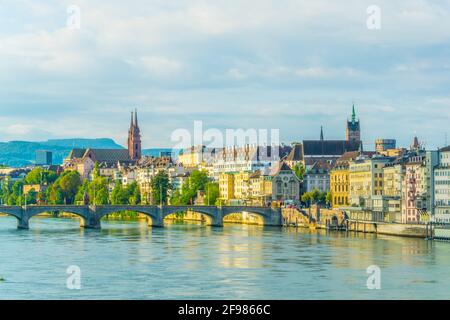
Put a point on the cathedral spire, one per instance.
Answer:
(353, 114)
(135, 118)
(134, 138)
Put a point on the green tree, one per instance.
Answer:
(211, 193)
(299, 170)
(41, 176)
(160, 187)
(306, 197)
(175, 198)
(55, 194)
(133, 194)
(197, 181)
(65, 188)
(82, 190)
(98, 191)
(69, 183)
(329, 197)
(119, 194)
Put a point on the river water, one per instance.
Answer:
(129, 260)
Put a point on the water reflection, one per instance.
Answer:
(129, 259)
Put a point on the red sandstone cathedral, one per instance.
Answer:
(134, 138)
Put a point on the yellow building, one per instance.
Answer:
(392, 178)
(340, 185)
(366, 179)
(226, 187)
(340, 180)
(260, 189)
(241, 186)
(245, 188)
(195, 156)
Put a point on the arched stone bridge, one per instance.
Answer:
(91, 215)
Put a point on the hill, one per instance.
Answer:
(22, 153)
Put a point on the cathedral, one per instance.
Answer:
(84, 159)
(310, 151)
(134, 138)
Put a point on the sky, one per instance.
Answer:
(72, 69)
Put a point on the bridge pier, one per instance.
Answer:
(158, 221)
(23, 223)
(275, 219)
(91, 222)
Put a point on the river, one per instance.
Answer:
(129, 260)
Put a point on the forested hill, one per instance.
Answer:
(22, 153)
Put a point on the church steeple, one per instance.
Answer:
(353, 114)
(353, 130)
(135, 118)
(134, 138)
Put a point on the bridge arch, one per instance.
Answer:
(210, 212)
(13, 212)
(149, 211)
(269, 216)
(80, 211)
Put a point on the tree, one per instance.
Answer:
(55, 194)
(175, 198)
(299, 170)
(98, 191)
(65, 188)
(211, 193)
(69, 184)
(198, 180)
(119, 194)
(133, 193)
(82, 190)
(329, 197)
(160, 187)
(41, 176)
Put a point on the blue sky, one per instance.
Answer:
(289, 65)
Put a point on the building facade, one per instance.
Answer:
(366, 179)
(414, 190)
(318, 177)
(442, 186)
(285, 184)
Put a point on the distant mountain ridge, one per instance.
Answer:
(101, 143)
(22, 153)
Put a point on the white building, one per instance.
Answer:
(442, 186)
(318, 177)
(249, 158)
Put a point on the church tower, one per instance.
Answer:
(353, 131)
(134, 138)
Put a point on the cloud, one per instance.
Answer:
(293, 64)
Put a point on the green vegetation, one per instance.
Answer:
(160, 188)
(316, 197)
(64, 189)
(198, 181)
(212, 193)
(299, 170)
